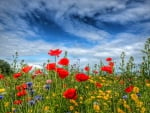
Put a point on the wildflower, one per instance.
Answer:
(36, 98)
(47, 86)
(87, 68)
(31, 102)
(46, 108)
(70, 93)
(38, 72)
(55, 52)
(48, 81)
(111, 64)
(17, 75)
(62, 73)
(1, 76)
(6, 104)
(96, 107)
(29, 84)
(108, 59)
(21, 93)
(2, 90)
(136, 90)
(125, 97)
(51, 66)
(134, 97)
(21, 87)
(80, 77)
(107, 69)
(64, 61)
(17, 102)
(120, 111)
(129, 89)
(1, 97)
(143, 110)
(26, 69)
(98, 85)
(71, 108)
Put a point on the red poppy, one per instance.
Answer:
(87, 68)
(21, 87)
(17, 102)
(38, 72)
(21, 93)
(81, 77)
(26, 69)
(111, 64)
(16, 75)
(64, 61)
(108, 59)
(51, 66)
(70, 93)
(62, 73)
(129, 89)
(98, 85)
(107, 69)
(55, 52)
(1, 76)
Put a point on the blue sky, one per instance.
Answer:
(89, 30)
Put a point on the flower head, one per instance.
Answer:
(51, 66)
(26, 69)
(107, 69)
(62, 73)
(64, 61)
(87, 68)
(109, 59)
(1, 76)
(17, 75)
(70, 93)
(80, 77)
(129, 89)
(55, 52)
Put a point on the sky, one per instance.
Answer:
(89, 30)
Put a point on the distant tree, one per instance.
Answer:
(5, 67)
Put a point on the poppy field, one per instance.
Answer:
(60, 87)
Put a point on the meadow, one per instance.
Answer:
(60, 87)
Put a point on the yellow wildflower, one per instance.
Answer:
(134, 97)
(143, 110)
(96, 107)
(6, 104)
(2, 90)
(136, 90)
(120, 111)
(71, 108)
(148, 84)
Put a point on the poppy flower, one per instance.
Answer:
(107, 69)
(111, 64)
(51, 66)
(81, 77)
(98, 85)
(17, 102)
(108, 59)
(55, 52)
(26, 69)
(87, 68)
(70, 93)
(21, 93)
(129, 89)
(1, 76)
(21, 87)
(38, 72)
(62, 73)
(64, 61)
(16, 75)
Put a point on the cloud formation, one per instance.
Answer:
(86, 29)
